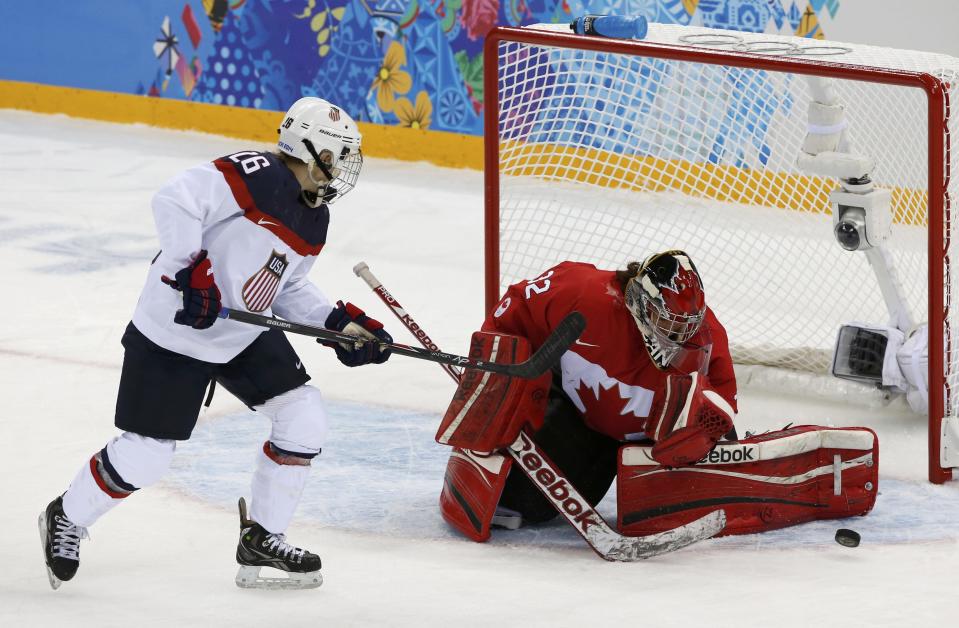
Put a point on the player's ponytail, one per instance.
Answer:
(623, 276)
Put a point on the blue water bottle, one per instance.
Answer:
(618, 26)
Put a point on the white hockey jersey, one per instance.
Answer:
(262, 240)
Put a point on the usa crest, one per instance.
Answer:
(259, 290)
(334, 114)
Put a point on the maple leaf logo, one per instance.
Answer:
(603, 400)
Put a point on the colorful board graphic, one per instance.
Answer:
(412, 63)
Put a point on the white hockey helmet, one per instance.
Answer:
(324, 137)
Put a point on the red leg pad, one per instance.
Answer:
(471, 490)
(764, 482)
(489, 410)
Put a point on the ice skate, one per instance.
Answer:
(60, 539)
(258, 548)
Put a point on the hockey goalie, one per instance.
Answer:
(646, 396)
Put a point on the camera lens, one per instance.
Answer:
(848, 236)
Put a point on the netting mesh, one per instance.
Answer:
(608, 157)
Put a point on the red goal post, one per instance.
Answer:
(603, 150)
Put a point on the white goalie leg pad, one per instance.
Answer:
(128, 462)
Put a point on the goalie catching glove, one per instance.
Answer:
(689, 422)
(350, 319)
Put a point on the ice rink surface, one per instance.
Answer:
(77, 236)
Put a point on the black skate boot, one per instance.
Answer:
(60, 538)
(258, 548)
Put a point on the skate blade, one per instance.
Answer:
(249, 578)
(42, 522)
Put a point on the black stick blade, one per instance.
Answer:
(556, 344)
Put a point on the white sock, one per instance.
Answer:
(135, 461)
(85, 502)
(276, 492)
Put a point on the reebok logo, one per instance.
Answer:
(419, 333)
(557, 489)
(727, 455)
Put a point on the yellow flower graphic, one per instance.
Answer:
(390, 79)
(415, 116)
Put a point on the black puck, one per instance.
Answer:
(848, 538)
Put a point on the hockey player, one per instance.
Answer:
(240, 232)
(652, 348)
(643, 396)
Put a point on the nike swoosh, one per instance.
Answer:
(585, 344)
(298, 364)
(265, 222)
(209, 271)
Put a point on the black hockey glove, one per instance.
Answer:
(350, 319)
(201, 297)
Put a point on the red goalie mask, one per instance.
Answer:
(666, 299)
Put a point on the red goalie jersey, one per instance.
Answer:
(608, 373)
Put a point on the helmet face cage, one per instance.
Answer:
(326, 139)
(667, 303)
(674, 327)
(337, 176)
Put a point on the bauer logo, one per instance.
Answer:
(731, 454)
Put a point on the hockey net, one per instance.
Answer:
(606, 150)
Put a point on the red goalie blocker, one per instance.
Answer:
(487, 413)
(488, 409)
(763, 482)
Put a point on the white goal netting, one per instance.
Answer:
(607, 156)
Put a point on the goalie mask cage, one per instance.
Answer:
(606, 150)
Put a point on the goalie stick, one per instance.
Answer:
(605, 541)
(363, 272)
(550, 481)
(555, 345)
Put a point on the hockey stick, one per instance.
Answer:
(363, 272)
(550, 481)
(555, 345)
(605, 541)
